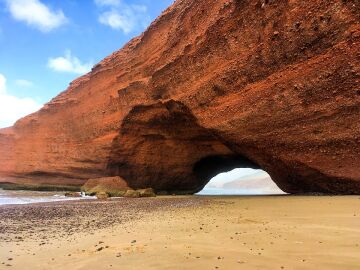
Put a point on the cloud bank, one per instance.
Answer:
(13, 108)
(36, 14)
(69, 63)
(122, 16)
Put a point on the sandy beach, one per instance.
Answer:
(192, 232)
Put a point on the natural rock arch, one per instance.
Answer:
(164, 147)
(158, 145)
(274, 82)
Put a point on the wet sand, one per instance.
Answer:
(273, 232)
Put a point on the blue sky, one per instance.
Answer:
(45, 44)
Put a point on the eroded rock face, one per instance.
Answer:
(210, 86)
(114, 186)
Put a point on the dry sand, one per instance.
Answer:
(279, 232)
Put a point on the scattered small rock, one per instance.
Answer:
(102, 195)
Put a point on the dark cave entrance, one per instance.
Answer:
(234, 175)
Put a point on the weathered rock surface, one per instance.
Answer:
(113, 186)
(102, 195)
(210, 86)
(132, 194)
(146, 192)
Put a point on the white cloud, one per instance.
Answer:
(36, 14)
(122, 16)
(2, 84)
(107, 2)
(69, 63)
(13, 108)
(24, 83)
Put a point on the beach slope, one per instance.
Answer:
(272, 232)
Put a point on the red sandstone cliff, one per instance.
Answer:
(211, 85)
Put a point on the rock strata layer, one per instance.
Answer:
(210, 86)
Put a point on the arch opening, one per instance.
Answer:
(234, 175)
